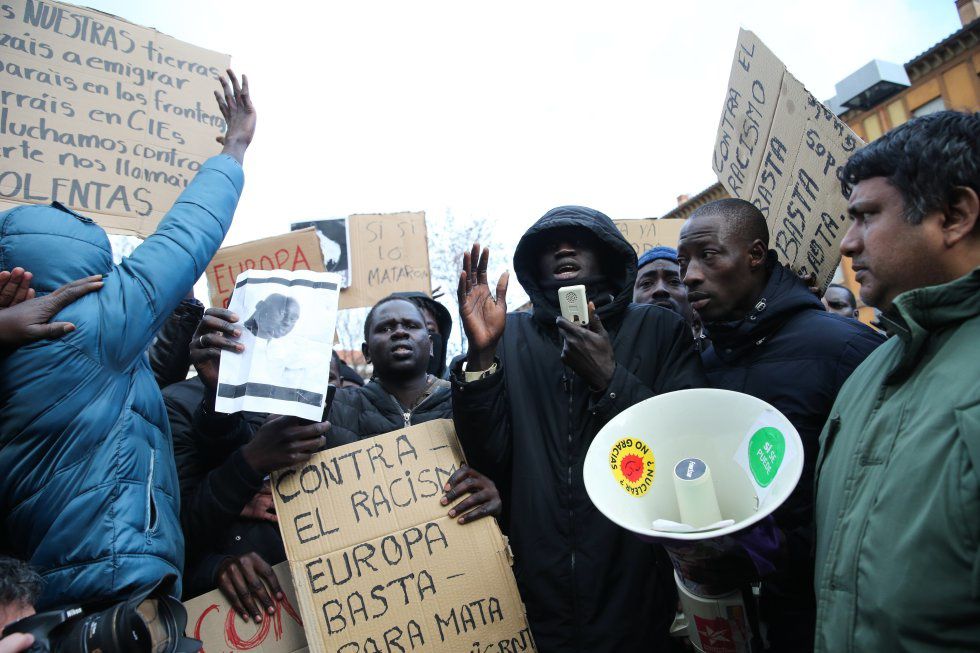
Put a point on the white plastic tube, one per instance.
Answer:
(695, 493)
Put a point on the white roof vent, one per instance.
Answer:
(871, 84)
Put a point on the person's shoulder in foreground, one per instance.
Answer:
(898, 488)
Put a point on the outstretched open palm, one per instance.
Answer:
(483, 315)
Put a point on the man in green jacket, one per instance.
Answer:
(898, 478)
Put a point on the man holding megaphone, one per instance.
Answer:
(771, 338)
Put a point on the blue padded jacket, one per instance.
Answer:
(88, 486)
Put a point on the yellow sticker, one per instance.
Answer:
(632, 465)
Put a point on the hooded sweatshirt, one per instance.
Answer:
(793, 354)
(440, 341)
(89, 492)
(588, 585)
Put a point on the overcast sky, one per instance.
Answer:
(506, 109)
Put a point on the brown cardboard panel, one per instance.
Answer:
(107, 117)
(377, 562)
(296, 250)
(211, 619)
(647, 233)
(781, 149)
(347, 495)
(389, 253)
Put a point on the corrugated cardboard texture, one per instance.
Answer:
(647, 233)
(211, 619)
(389, 253)
(781, 149)
(296, 250)
(377, 563)
(107, 117)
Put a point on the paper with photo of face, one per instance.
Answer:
(287, 320)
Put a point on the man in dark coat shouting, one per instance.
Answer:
(531, 394)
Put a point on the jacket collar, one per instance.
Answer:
(920, 313)
(784, 296)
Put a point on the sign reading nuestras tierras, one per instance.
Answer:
(782, 150)
(379, 566)
(389, 253)
(104, 116)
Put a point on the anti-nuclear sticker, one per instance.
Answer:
(767, 446)
(633, 465)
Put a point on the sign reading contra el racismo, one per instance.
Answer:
(104, 116)
(782, 150)
(376, 562)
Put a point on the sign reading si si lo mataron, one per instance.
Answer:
(379, 566)
(389, 253)
(782, 150)
(104, 116)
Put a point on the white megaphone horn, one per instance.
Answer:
(693, 466)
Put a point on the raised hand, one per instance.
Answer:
(27, 321)
(283, 442)
(235, 105)
(483, 315)
(216, 332)
(483, 499)
(15, 287)
(588, 351)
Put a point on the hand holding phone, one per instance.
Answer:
(574, 304)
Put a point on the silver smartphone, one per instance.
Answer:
(574, 304)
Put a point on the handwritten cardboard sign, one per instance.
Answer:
(378, 565)
(782, 150)
(107, 117)
(296, 250)
(389, 253)
(648, 233)
(211, 619)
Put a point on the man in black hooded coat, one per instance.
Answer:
(526, 419)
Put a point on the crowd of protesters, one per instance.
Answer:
(117, 470)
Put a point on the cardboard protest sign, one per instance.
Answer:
(647, 233)
(287, 321)
(389, 253)
(104, 116)
(782, 150)
(333, 238)
(378, 565)
(297, 250)
(211, 619)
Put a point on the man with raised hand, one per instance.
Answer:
(530, 396)
(88, 493)
(898, 483)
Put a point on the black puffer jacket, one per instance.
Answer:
(215, 485)
(170, 357)
(588, 585)
(795, 355)
(359, 413)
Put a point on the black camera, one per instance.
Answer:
(148, 621)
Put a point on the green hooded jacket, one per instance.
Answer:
(898, 485)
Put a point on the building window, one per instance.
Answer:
(932, 106)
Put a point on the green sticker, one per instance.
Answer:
(766, 449)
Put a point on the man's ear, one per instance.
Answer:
(757, 254)
(366, 352)
(961, 216)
